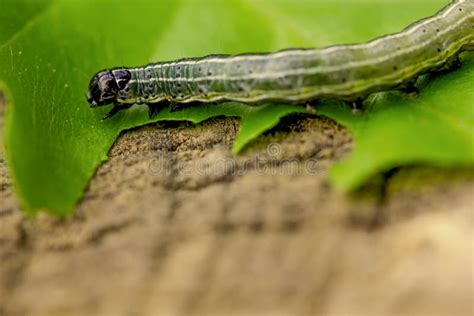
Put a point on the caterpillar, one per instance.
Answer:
(343, 72)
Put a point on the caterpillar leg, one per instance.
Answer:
(452, 64)
(309, 107)
(357, 105)
(111, 113)
(410, 88)
(179, 106)
(117, 107)
(174, 107)
(115, 110)
(154, 108)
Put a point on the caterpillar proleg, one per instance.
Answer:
(342, 72)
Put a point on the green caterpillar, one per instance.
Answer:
(343, 72)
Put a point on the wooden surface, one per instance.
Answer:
(196, 238)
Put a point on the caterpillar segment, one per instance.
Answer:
(343, 72)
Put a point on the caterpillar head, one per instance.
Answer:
(105, 85)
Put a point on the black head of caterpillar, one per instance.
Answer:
(105, 85)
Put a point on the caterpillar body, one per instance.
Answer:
(342, 72)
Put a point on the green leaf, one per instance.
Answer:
(434, 128)
(49, 49)
(18, 15)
